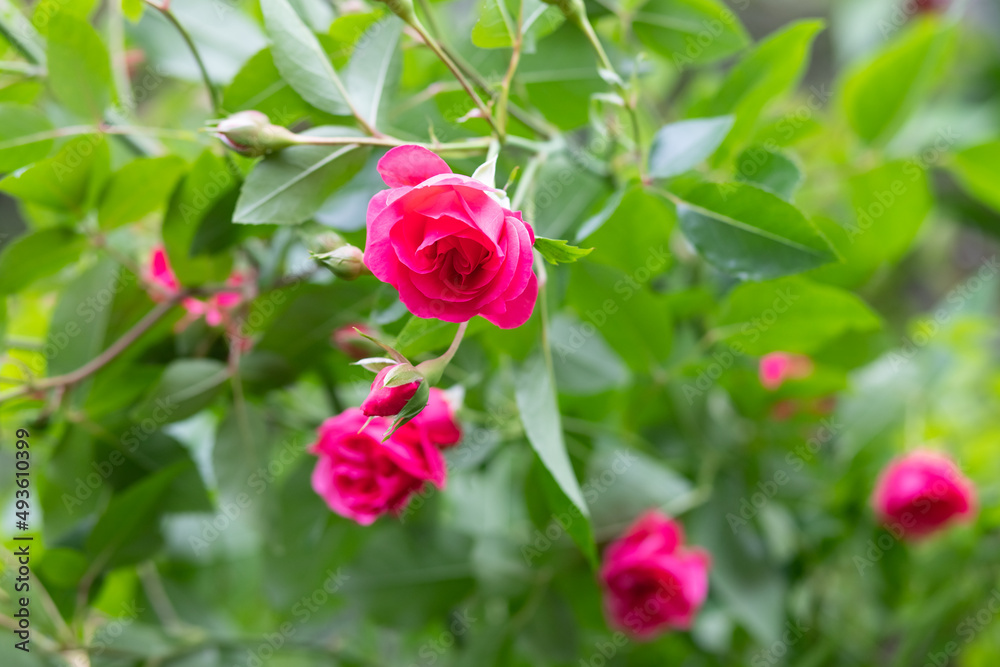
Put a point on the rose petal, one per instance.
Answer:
(410, 165)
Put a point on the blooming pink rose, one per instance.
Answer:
(777, 367)
(652, 584)
(385, 401)
(360, 477)
(921, 492)
(438, 420)
(449, 247)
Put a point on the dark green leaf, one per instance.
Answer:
(186, 386)
(750, 233)
(770, 170)
(68, 181)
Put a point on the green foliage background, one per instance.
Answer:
(751, 179)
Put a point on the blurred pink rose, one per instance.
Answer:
(447, 245)
(438, 420)
(921, 492)
(652, 584)
(385, 401)
(360, 477)
(777, 367)
(164, 285)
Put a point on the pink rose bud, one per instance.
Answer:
(651, 584)
(437, 420)
(447, 243)
(385, 401)
(346, 262)
(160, 275)
(777, 367)
(251, 133)
(353, 344)
(921, 492)
(360, 477)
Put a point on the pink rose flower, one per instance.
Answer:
(385, 401)
(360, 477)
(921, 492)
(651, 584)
(352, 343)
(777, 367)
(449, 247)
(438, 420)
(164, 285)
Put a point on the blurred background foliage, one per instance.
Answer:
(173, 517)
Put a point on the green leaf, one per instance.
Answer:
(137, 190)
(186, 386)
(689, 31)
(37, 255)
(769, 170)
(978, 170)
(750, 233)
(78, 334)
(558, 251)
(495, 27)
(290, 186)
(681, 146)
(632, 233)
(879, 94)
(773, 67)
(792, 314)
(209, 181)
(21, 34)
(116, 536)
(561, 76)
(301, 60)
(79, 66)
(374, 65)
(535, 392)
(24, 136)
(258, 85)
(132, 9)
(68, 181)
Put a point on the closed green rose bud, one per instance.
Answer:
(401, 8)
(574, 10)
(345, 262)
(251, 133)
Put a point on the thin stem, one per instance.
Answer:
(116, 45)
(213, 93)
(76, 130)
(515, 57)
(450, 64)
(26, 69)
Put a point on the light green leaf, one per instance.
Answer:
(301, 60)
(68, 181)
(37, 255)
(536, 400)
(19, 31)
(769, 170)
(138, 189)
(978, 170)
(132, 9)
(773, 67)
(558, 251)
(792, 314)
(681, 146)
(495, 27)
(750, 233)
(25, 136)
(79, 66)
(290, 186)
(879, 94)
(373, 66)
(675, 29)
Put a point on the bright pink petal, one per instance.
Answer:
(410, 165)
